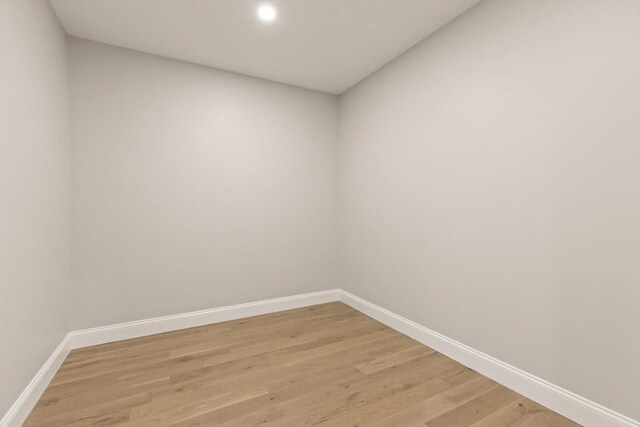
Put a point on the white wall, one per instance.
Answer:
(34, 192)
(490, 189)
(195, 188)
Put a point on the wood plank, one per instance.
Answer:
(320, 365)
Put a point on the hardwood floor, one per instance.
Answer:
(325, 365)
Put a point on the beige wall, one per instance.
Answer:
(490, 189)
(195, 188)
(34, 192)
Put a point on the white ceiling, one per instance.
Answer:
(328, 45)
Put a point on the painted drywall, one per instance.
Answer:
(490, 189)
(195, 188)
(322, 45)
(34, 192)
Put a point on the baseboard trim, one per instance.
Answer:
(572, 406)
(21, 408)
(158, 325)
(564, 402)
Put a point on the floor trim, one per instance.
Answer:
(564, 402)
(158, 325)
(19, 411)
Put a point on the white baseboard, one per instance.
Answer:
(19, 411)
(572, 406)
(158, 325)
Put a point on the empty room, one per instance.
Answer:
(344, 213)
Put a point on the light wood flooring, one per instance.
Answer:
(326, 365)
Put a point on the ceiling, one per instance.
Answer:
(327, 45)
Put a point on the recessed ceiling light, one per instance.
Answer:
(267, 13)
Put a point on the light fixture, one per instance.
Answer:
(266, 13)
